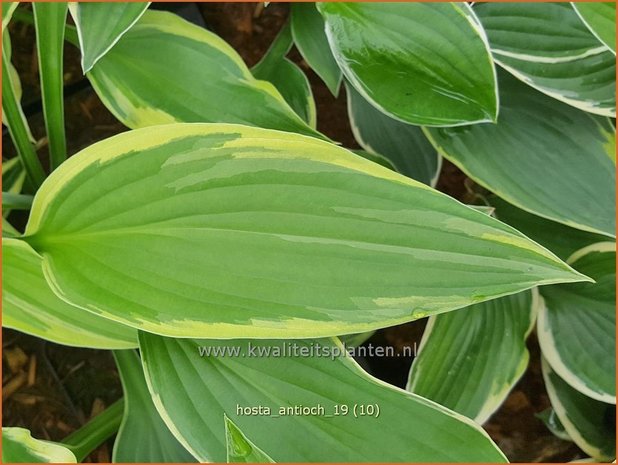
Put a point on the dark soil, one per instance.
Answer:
(53, 389)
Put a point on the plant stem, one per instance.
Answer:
(16, 122)
(11, 201)
(86, 439)
(49, 21)
(25, 16)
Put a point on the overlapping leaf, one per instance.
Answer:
(403, 145)
(100, 26)
(600, 17)
(287, 77)
(203, 79)
(29, 305)
(310, 39)
(178, 374)
(143, 437)
(239, 448)
(18, 446)
(470, 359)
(588, 422)
(206, 231)
(543, 156)
(422, 63)
(577, 325)
(560, 239)
(547, 46)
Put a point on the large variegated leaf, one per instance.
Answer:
(547, 46)
(577, 324)
(179, 371)
(589, 423)
(29, 305)
(422, 63)
(230, 231)
(310, 39)
(204, 80)
(18, 446)
(542, 156)
(100, 26)
(600, 17)
(403, 145)
(240, 449)
(143, 437)
(470, 359)
(560, 239)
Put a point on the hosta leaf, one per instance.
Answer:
(404, 145)
(239, 448)
(422, 63)
(587, 421)
(577, 325)
(600, 17)
(287, 77)
(205, 79)
(560, 239)
(542, 156)
(18, 446)
(469, 360)
(310, 39)
(143, 437)
(208, 231)
(178, 374)
(100, 26)
(29, 306)
(548, 47)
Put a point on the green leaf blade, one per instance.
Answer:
(143, 437)
(387, 51)
(206, 230)
(30, 306)
(533, 159)
(548, 47)
(577, 325)
(470, 359)
(600, 17)
(206, 80)
(224, 383)
(101, 25)
(239, 448)
(18, 446)
(310, 39)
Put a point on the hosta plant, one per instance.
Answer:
(236, 246)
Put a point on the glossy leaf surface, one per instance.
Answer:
(29, 306)
(403, 145)
(177, 374)
(205, 80)
(547, 46)
(542, 156)
(205, 230)
(422, 63)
